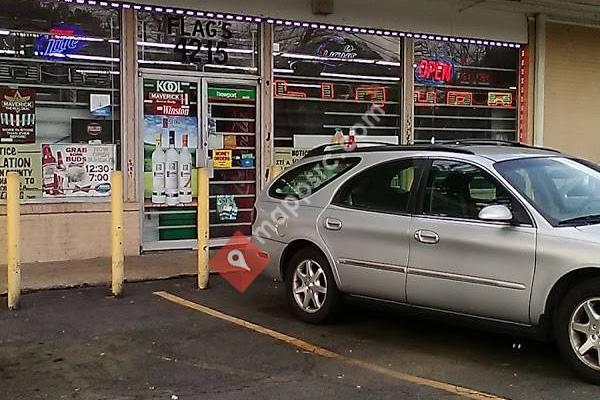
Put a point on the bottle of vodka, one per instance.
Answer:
(171, 172)
(158, 173)
(185, 172)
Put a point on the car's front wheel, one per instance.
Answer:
(310, 286)
(577, 327)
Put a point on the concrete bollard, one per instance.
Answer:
(118, 268)
(202, 228)
(13, 233)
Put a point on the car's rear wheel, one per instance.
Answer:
(310, 286)
(577, 327)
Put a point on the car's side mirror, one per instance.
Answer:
(498, 213)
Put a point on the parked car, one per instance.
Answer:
(497, 232)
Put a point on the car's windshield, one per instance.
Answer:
(563, 190)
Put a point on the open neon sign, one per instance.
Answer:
(60, 41)
(434, 71)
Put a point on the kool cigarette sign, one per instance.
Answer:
(17, 116)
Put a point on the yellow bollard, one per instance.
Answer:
(202, 228)
(118, 273)
(274, 170)
(13, 214)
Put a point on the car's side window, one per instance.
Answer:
(304, 180)
(461, 190)
(384, 188)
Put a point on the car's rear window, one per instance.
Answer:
(304, 180)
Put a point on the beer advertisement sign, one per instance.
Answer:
(17, 116)
(77, 170)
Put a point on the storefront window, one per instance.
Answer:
(465, 91)
(197, 44)
(59, 98)
(328, 84)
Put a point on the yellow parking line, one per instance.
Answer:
(309, 347)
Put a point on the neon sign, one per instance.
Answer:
(500, 99)
(281, 89)
(61, 40)
(327, 90)
(434, 72)
(425, 97)
(375, 94)
(459, 98)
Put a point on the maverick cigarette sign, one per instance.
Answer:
(169, 98)
(17, 116)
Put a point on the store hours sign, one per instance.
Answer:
(200, 41)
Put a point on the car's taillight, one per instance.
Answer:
(254, 212)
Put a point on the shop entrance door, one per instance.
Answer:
(187, 123)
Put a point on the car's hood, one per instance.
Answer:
(590, 232)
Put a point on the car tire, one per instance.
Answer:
(307, 273)
(574, 326)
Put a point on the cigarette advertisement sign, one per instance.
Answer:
(168, 98)
(17, 116)
(24, 159)
(77, 170)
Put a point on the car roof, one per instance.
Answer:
(491, 149)
(502, 153)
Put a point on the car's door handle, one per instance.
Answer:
(427, 237)
(333, 224)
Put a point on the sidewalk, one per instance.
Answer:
(97, 271)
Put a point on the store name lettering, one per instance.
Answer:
(205, 43)
(434, 71)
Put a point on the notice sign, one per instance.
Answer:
(26, 160)
(222, 158)
(77, 170)
(286, 156)
(168, 98)
(17, 116)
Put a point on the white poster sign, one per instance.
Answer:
(77, 170)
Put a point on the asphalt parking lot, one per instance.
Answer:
(83, 344)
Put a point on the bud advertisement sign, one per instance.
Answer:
(168, 98)
(77, 170)
(17, 116)
(24, 159)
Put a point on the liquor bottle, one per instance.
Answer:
(60, 175)
(48, 170)
(158, 173)
(171, 172)
(185, 172)
(338, 137)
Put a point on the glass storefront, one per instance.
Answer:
(464, 91)
(199, 99)
(333, 83)
(59, 98)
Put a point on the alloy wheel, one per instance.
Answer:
(584, 332)
(309, 286)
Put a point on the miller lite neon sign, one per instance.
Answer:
(60, 41)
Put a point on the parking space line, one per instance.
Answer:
(320, 351)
